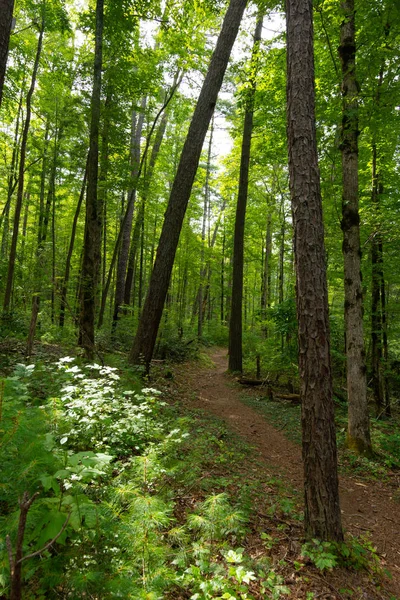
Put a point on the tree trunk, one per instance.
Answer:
(203, 271)
(146, 335)
(42, 237)
(358, 434)
(266, 277)
(6, 12)
(322, 510)
(222, 298)
(64, 289)
(235, 323)
(376, 313)
(12, 183)
(93, 222)
(20, 192)
(136, 135)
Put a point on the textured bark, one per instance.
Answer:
(6, 12)
(235, 323)
(322, 510)
(358, 435)
(146, 335)
(93, 223)
(20, 192)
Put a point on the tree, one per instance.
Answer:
(6, 13)
(93, 222)
(322, 510)
(20, 191)
(146, 335)
(235, 323)
(358, 435)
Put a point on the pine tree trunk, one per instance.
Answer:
(146, 335)
(6, 13)
(322, 510)
(20, 192)
(93, 223)
(358, 433)
(235, 324)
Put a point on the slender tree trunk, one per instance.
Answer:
(266, 277)
(376, 314)
(203, 236)
(102, 183)
(131, 199)
(12, 182)
(136, 135)
(64, 289)
(6, 13)
(358, 434)
(42, 237)
(222, 299)
(92, 243)
(235, 324)
(322, 517)
(25, 224)
(385, 355)
(20, 192)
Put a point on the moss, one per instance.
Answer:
(359, 446)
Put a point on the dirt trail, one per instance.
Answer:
(365, 506)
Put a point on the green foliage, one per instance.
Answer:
(352, 554)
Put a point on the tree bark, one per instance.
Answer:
(322, 517)
(146, 335)
(6, 13)
(235, 323)
(93, 223)
(20, 192)
(358, 434)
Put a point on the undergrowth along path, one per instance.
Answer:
(367, 506)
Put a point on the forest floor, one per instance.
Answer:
(367, 506)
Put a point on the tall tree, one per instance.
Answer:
(146, 335)
(6, 13)
(322, 510)
(93, 222)
(22, 160)
(235, 323)
(358, 434)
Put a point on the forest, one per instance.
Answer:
(199, 287)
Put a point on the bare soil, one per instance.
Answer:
(366, 506)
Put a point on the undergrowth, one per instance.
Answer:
(134, 499)
(110, 466)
